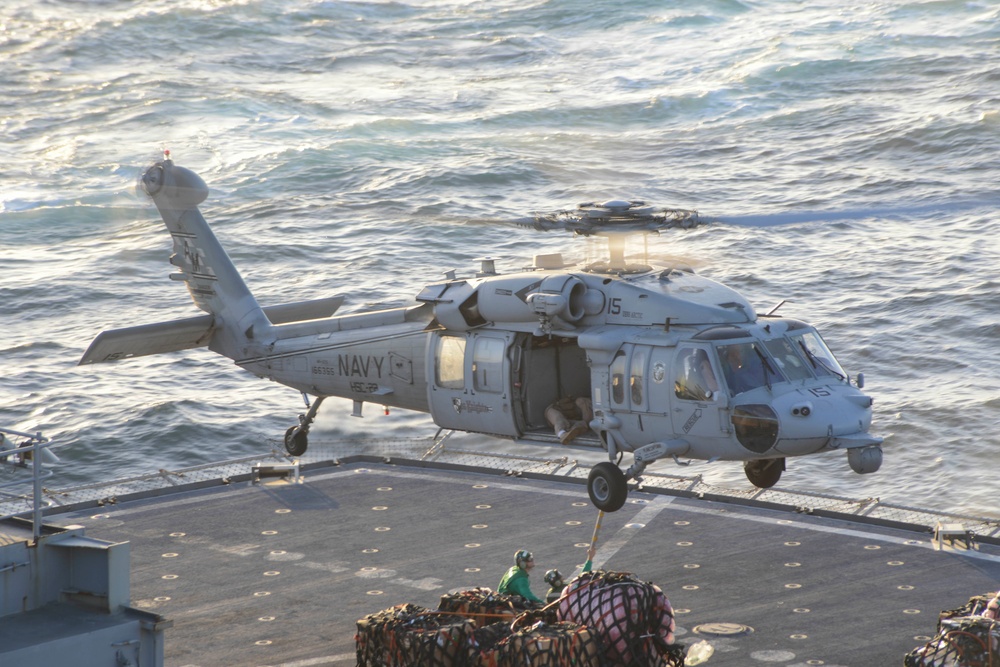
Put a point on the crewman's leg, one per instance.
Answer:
(558, 420)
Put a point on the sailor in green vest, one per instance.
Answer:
(515, 581)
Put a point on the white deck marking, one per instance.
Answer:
(630, 529)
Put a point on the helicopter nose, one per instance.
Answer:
(823, 418)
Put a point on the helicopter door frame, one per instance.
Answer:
(469, 381)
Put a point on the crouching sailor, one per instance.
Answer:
(515, 581)
(556, 582)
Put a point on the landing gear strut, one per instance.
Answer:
(764, 473)
(297, 437)
(607, 487)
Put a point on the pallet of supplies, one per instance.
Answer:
(560, 644)
(409, 635)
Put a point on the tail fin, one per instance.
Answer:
(213, 281)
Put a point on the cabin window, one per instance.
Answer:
(694, 379)
(618, 379)
(638, 373)
(487, 365)
(449, 362)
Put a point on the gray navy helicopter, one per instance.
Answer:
(675, 365)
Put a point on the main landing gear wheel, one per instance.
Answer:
(764, 473)
(296, 440)
(607, 487)
(297, 437)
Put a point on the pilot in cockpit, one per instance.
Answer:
(696, 381)
(741, 368)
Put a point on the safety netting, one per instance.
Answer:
(965, 638)
(633, 618)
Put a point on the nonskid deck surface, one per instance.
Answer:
(278, 573)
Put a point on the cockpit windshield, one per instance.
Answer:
(820, 359)
(748, 363)
(745, 367)
(789, 358)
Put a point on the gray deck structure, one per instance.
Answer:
(64, 596)
(270, 564)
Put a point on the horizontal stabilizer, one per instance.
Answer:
(192, 332)
(303, 310)
(139, 341)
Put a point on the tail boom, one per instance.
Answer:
(215, 285)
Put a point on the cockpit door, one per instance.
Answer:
(469, 383)
(699, 401)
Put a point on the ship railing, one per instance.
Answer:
(31, 452)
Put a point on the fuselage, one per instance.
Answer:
(665, 355)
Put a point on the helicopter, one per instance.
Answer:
(674, 364)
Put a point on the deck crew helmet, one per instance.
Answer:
(553, 576)
(522, 555)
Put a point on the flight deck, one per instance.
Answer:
(273, 561)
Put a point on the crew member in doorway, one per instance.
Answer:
(570, 417)
(556, 582)
(515, 581)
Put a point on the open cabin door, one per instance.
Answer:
(469, 383)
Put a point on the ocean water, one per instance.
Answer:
(850, 153)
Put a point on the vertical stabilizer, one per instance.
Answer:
(213, 281)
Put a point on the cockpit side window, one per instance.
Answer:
(694, 379)
(746, 367)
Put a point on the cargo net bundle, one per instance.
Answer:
(965, 638)
(633, 619)
(477, 628)
(408, 634)
(547, 643)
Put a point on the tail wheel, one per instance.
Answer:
(296, 441)
(607, 487)
(764, 473)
